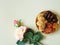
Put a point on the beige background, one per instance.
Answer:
(27, 11)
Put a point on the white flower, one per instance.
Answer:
(19, 34)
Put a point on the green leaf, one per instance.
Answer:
(24, 40)
(36, 38)
(17, 41)
(32, 41)
(20, 43)
(39, 43)
(39, 36)
(36, 43)
(28, 35)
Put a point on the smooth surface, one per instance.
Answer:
(26, 10)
